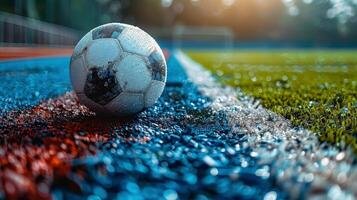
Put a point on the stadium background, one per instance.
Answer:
(309, 22)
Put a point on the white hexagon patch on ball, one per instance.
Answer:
(118, 69)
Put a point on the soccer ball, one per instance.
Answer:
(118, 69)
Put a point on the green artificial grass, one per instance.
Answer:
(315, 89)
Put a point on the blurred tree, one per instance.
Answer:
(313, 22)
(307, 21)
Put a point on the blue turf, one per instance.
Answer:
(188, 156)
(25, 82)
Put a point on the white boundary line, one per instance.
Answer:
(299, 163)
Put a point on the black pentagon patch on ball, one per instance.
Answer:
(107, 31)
(101, 85)
(157, 66)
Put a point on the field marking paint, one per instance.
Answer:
(299, 163)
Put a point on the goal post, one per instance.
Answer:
(214, 36)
